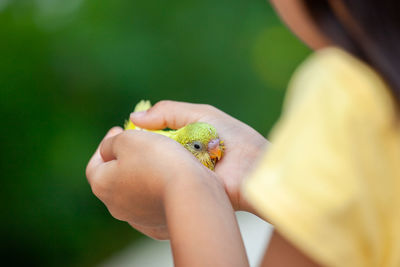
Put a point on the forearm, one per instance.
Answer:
(202, 225)
(282, 253)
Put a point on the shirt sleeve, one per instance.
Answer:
(321, 181)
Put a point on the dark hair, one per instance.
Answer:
(368, 29)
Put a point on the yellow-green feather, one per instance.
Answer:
(200, 132)
(143, 105)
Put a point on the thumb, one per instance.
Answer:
(171, 114)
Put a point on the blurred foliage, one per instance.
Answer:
(69, 70)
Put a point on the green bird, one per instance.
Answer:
(200, 138)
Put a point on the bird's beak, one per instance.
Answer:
(214, 149)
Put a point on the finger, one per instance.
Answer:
(93, 164)
(107, 151)
(101, 179)
(96, 159)
(170, 114)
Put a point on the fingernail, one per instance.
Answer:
(137, 114)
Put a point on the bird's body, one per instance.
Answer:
(200, 138)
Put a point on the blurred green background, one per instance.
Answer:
(71, 69)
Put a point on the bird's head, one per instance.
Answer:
(202, 140)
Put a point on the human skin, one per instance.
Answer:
(294, 15)
(163, 185)
(161, 190)
(164, 192)
(243, 146)
(242, 143)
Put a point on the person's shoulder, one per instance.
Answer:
(335, 78)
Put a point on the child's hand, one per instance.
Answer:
(242, 143)
(132, 171)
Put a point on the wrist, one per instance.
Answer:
(251, 155)
(199, 182)
(201, 222)
(193, 190)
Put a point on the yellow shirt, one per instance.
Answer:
(330, 182)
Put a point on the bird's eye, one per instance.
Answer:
(197, 145)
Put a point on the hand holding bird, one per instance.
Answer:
(242, 144)
(139, 167)
(200, 138)
(135, 173)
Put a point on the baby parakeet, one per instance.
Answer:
(200, 138)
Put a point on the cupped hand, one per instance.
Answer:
(242, 143)
(131, 172)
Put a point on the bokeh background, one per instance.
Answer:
(71, 69)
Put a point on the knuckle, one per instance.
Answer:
(129, 139)
(91, 175)
(208, 108)
(98, 188)
(163, 104)
(122, 138)
(88, 172)
(101, 185)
